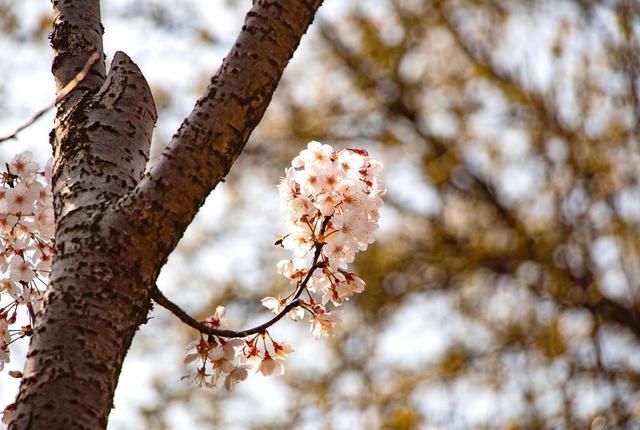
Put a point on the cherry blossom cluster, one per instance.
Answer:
(26, 245)
(331, 200)
(230, 360)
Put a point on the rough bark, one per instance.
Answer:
(212, 137)
(116, 226)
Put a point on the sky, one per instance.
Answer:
(171, 57)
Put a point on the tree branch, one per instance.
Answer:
(175, 309)
(96, 296)
(112, 133)
(183, 316)
(77, 34)
(212, 137)
(111, 241)
(61, 95)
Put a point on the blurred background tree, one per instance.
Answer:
(504, 289)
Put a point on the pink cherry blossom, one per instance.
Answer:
(217, 319)
(299, 241)
(199, 377)
(21, 270)
(316, 154)
(277, 305)
(26, 246)
(340, 251)
(350, 163)
(323, 323)
(197, 350)
(4, 355)
(4, 331)
(22, 165)
(331, 203)
(294, 269)
(237, 375)
(271, 365)
(10, 287)
(21, 199)
(282, 349)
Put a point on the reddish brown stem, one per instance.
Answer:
(202, 327)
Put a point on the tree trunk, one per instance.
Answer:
(116, 225)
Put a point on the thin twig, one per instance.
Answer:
(202, 327)
(61, 95)
(175, 309)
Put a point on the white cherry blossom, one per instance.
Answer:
(294, 269)
(350, 163)
(21, 270)
(331, 203)
(4, 356)
(340, 251)
(238, 374)
(4, 332)
(26, 244)
(273, 304)
(10, 287)
(271, 365)
(22, 165)
(282, 349)
(316, 154)
(217, 319)
(21, 199)
(323, 323)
